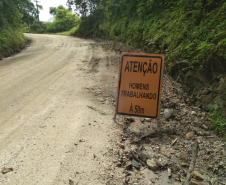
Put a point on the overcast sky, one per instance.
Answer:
(44, 14)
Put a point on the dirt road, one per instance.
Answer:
(56, 112)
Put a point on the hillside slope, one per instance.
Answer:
(191, 34)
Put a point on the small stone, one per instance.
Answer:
(214, 181)
(147, 119)
(136, 183)
(205, 127)
(206, 133)
(210, 167)
(153, 180)
(184, 164)
(183, 155)
(119, 164)
(169, 172)
(121, 145)
(196, 175)
(152, 165)
(195, 182)
(129, 166)
(189, 135)
(129, 173)
(135, 164)
(71, 182)
(175, 91)
(130, 119)
(193, 113)
(168, 113)
(221, 164)
(174, 141)
(6, 170)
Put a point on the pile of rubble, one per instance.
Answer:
(164, 155)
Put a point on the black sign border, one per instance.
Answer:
(160, 79)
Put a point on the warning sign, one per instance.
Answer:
(139, 85)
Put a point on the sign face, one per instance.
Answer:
(139, 85)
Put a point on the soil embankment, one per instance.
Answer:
(18, 49)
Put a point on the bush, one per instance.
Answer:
(70, 32)
(10, 40)
(217, 119)
(11, 36)
(39, 27)
(64, 21)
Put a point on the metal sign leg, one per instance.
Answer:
(158, 123)
(115, 119)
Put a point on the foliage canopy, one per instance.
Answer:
(15, 14)
(64, 20)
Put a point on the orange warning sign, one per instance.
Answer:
(139, 85)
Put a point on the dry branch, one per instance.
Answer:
(192, 164)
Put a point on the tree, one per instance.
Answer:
(28, 10)
(52, 10)
(83, 7)
(11, 35)
(64, 19)
(38, 7)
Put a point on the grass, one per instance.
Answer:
(217, 119)
(44, 31)
(70, 32)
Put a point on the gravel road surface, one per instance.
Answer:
(56, 110)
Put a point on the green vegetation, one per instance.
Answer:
(36, 27)
(12, 14)
(64, 20)
(18, 16)
(217, 119)
(191, 34)
(10, 34)
(70, 32)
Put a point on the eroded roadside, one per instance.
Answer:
(14, 51)
(151, 155)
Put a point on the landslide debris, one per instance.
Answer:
(169, 147)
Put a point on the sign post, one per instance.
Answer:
(139, 85)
